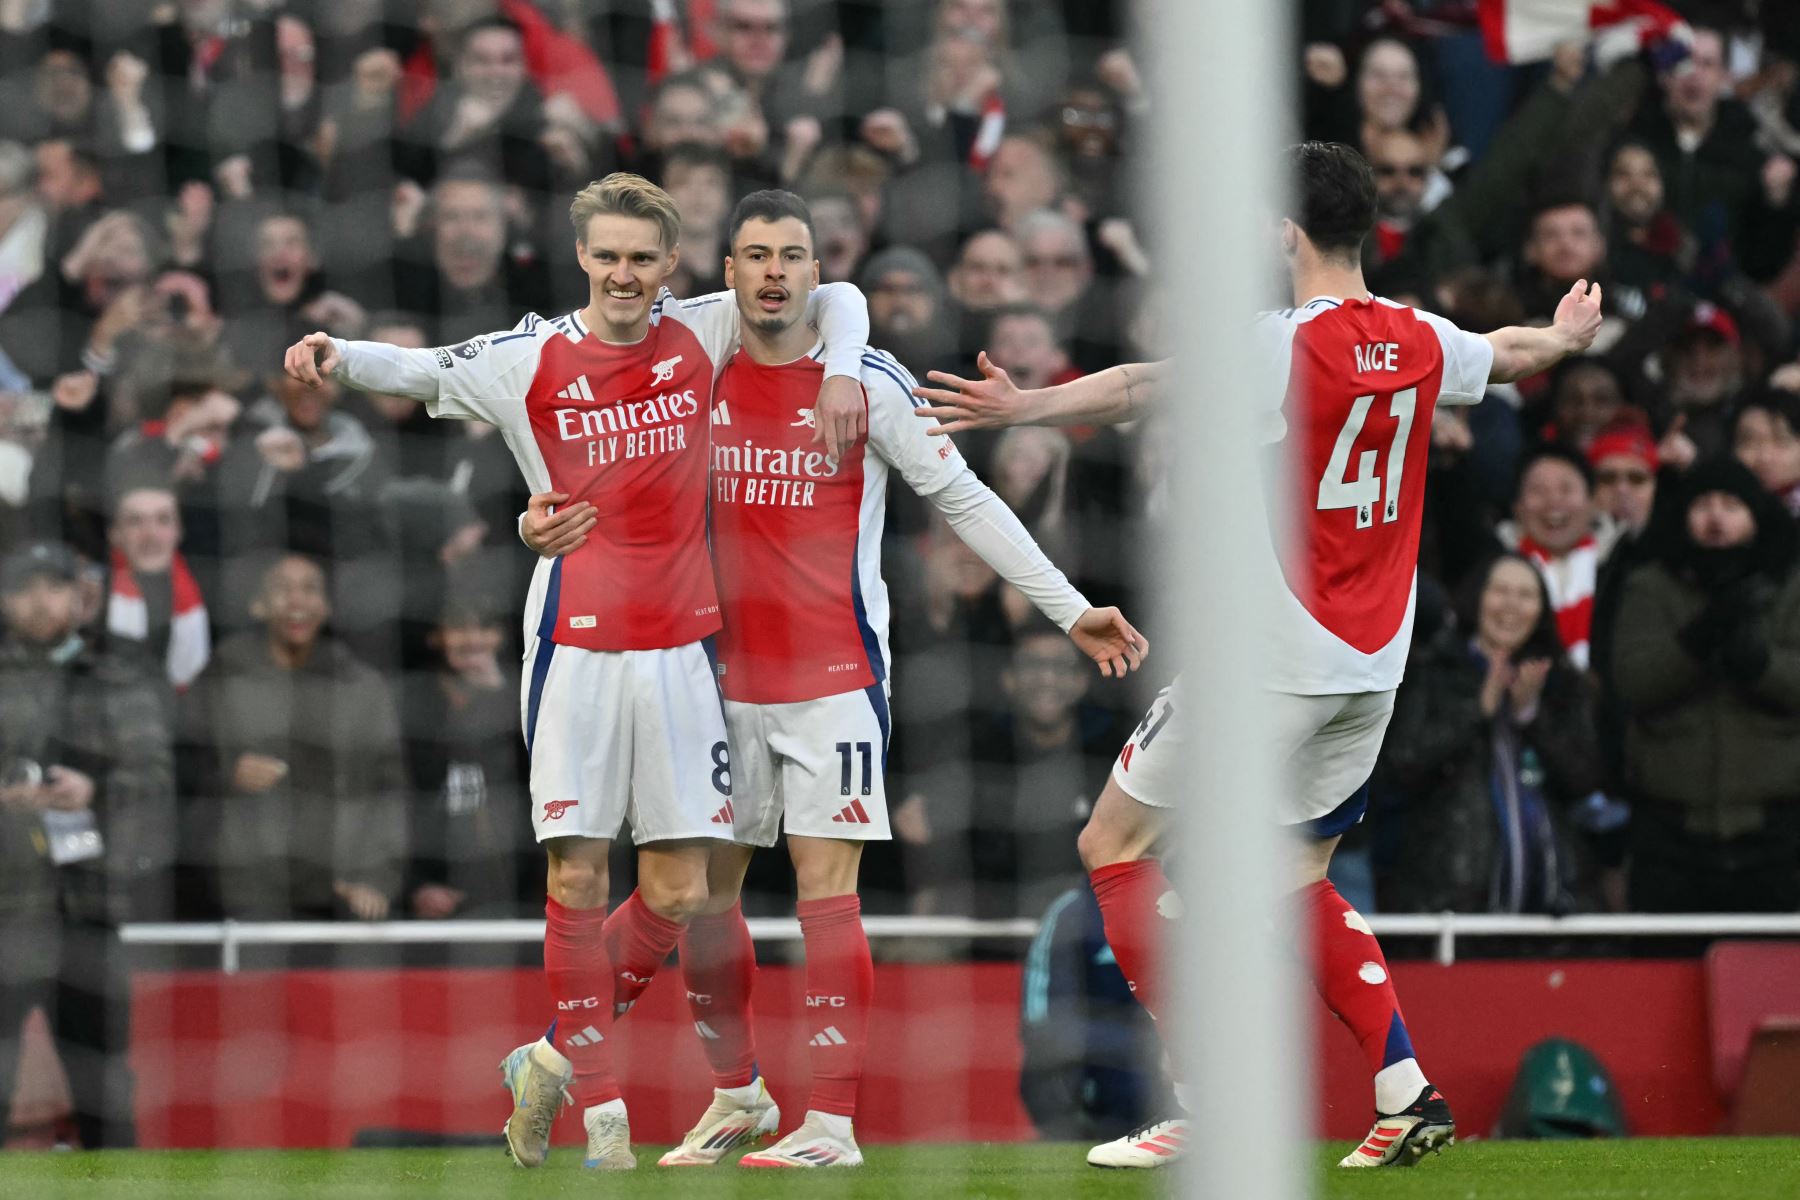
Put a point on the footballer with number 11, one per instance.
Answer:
(1353, 384)
(803, 665)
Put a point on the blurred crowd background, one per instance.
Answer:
(261, 645)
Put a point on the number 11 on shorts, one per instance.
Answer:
(867, 752)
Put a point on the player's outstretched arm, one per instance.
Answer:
(367, 366)
(1110, 397)
(312, 358)
(1521, 351)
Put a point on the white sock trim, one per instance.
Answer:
(1397, 1085)
(840, 1127)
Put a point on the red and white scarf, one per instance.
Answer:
(1570, 580)
(190, 637)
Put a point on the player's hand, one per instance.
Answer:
(992, 402)
(434, 901)
(257, 773)
(841, 417)
(554, 534)
(67, 789)
(364, 902)
(1578, 315)
(1104, 635)
(312, 358)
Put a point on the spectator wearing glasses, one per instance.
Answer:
(1410, 244)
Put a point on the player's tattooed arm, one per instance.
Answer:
(1114, 396)
(1521, 351)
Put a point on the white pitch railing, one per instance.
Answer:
(232, 936)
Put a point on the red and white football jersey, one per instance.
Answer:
(1359, 382)
(797, 538)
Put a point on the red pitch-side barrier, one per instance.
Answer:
(308, 1058)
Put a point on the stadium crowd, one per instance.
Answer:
(260, 652)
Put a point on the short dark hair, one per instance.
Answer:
(484, 25)
(1556, 202)
(697, 154)
(1334, 195)
(1553, 452)
(770, 204)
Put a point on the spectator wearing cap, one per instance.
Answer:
(1706, 660)
(303, 779)
(1704, 368)
(87, 833)
(909, 313)
(1623, 458)
(1765, 436)
(1558, 529)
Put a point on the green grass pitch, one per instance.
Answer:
(1675, 1169)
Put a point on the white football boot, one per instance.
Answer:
(821, 1141)
(1403, 1138)
(538, 1075)
(729, 1122)
(609, 1138)
(1155, 1145)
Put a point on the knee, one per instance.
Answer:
(1097, 846)
(679, 900)
(823, 881)
(575, 883)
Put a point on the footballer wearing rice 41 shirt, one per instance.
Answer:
(803, 665)
(606, 410)
(1353, 384)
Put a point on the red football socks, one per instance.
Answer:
(1132, 909)
(840, 982)
(1352, 977)
(637, 944)
(718, 960)
(576, 967)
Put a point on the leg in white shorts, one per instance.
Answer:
(814, 767)
(634, 735)
(1328, 745)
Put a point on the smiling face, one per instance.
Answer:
(626, 263)
(292, 604)
(773, 271)
(1554, 508)
(989, 273)
(1512, 601)
(1046, 679)
(492, 65)
(1387, 86)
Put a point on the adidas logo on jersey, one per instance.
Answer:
(587, 1037)
(829, 1036)
(853, 814)
(724, 816)
(721, 414)
(664, 371)
(577, 391)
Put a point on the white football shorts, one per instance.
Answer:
(1328, 745)
(626, 735)
(814, 767)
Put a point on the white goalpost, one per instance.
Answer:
(1221, 119)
